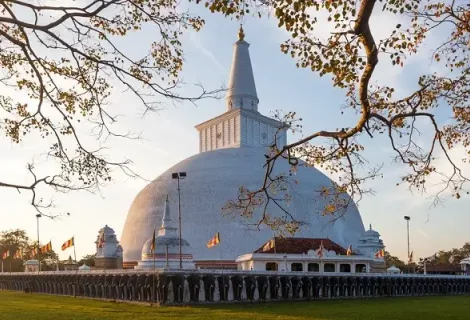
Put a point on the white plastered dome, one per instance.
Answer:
(212, 179)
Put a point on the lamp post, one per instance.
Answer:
(37, 253)
(407, 218)
(178, 176)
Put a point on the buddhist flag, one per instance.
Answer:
(69, 243)
(34, 252)
(349, 251)
(152, 246)
(47, 248)
(101, 240)
(269, 245)
(6, 254)
(410, 258)
(214, 241)
(380, 253)
(18, 254)
(320, 250)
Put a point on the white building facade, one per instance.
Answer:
(317, 255)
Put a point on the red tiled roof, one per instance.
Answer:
(302, 245)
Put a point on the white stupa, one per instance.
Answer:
(166, 252)
(232, 154)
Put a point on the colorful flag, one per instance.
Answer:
(410, 258)
(152, 245)
(34, 253)
(320, 250)
(269, 245)
(349, 251)
(18, 254)
(69, 243)
(46, 248)
(380, 253)
(214, 241)
(101, 241)
(6, 254)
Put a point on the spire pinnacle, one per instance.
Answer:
(241, 34)
(167, 224)
(370, 226)
(241, 92)
(166, 213)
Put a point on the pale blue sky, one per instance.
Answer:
(170, 137)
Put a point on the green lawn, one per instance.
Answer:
(19, 306)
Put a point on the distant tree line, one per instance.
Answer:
(449, 257)
(14, 240)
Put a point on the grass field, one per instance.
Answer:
(19, 306)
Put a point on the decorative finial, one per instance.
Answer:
(370, 226)
(241, 34)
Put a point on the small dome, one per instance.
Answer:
(70, 261)
(393, 269)
(370, 233)
(161, 243)
(84, 267)
(107, 230)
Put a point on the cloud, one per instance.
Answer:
(196, 40)
(424, 234)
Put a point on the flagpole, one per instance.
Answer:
(223, 279)
(153, 274)
(74, 252)
(166, 255)
(275, 255)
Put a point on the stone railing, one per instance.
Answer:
(189, 286)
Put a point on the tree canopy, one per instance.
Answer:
(88, 259)
(61, 62)
(18, 240)
(349, 55)
(66, 62)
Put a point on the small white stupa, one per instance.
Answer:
(393, 270)
(166, 253)
(84, 267)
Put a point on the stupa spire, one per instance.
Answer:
(241, 85)
(167, 223)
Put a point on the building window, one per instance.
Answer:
(329, 267)
(361, 268)
(271, 266)
(345, 268)
(296, 267)
(313, 267)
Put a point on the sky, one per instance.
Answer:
(169, 136)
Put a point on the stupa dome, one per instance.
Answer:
(212, 179)
(232, 154)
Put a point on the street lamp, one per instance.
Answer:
(178, 176)
(407, 218)
(37, 253)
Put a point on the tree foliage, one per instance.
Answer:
(14, 240)
(88, 259)
(349, 55)
(453, 256)
(60, 63)
(393, 261)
